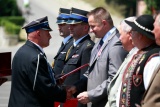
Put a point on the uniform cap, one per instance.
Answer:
(77, 16)
(41, 23)
(63, 16)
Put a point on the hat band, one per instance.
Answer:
(76, 17)
(142, 27)
(61, 21)
(63, 16)
(36, 27)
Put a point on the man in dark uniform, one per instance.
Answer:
(33, 82)
(79, 53)
(59, 59)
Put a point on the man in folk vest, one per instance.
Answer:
(136, 76)
(125, 38)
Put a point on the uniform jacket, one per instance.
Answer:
(151, 97)
(23, 74)
(60, 57)
(103, 67)
(78, 56)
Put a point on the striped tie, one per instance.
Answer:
(100, 44)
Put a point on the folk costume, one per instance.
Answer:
(132, 88)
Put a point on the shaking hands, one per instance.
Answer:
(82, 97)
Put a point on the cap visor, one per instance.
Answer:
(73, 21)
(61, 21)
(47, 29)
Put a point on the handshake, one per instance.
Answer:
(69, 89)
(82, 97)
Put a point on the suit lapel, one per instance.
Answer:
(97, 55)
(94, 53)
(61, 48)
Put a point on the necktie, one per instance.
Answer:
(51, 73)
(69, 51)
(45, 55)
(62, 44)
(100, 44)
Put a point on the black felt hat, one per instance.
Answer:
(63, 16)
(77, 16)
(41, 23)
(144, 25)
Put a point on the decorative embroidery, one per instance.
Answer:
(127, 80)
(138, 70)
(137, 80)
(143, 57)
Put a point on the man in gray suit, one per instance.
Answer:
(106, 58)
(125, 38)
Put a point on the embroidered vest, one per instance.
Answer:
(132, 88)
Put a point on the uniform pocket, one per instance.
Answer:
(62, 57)
(72, 61)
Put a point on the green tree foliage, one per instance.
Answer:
(129, 6)
(9, 8)
(152, 6)
(10, 17)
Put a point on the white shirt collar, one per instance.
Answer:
(65, 40)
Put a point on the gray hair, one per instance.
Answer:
(124, 26)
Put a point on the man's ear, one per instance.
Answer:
(105, 23)
(38, 33)
(86, 27)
